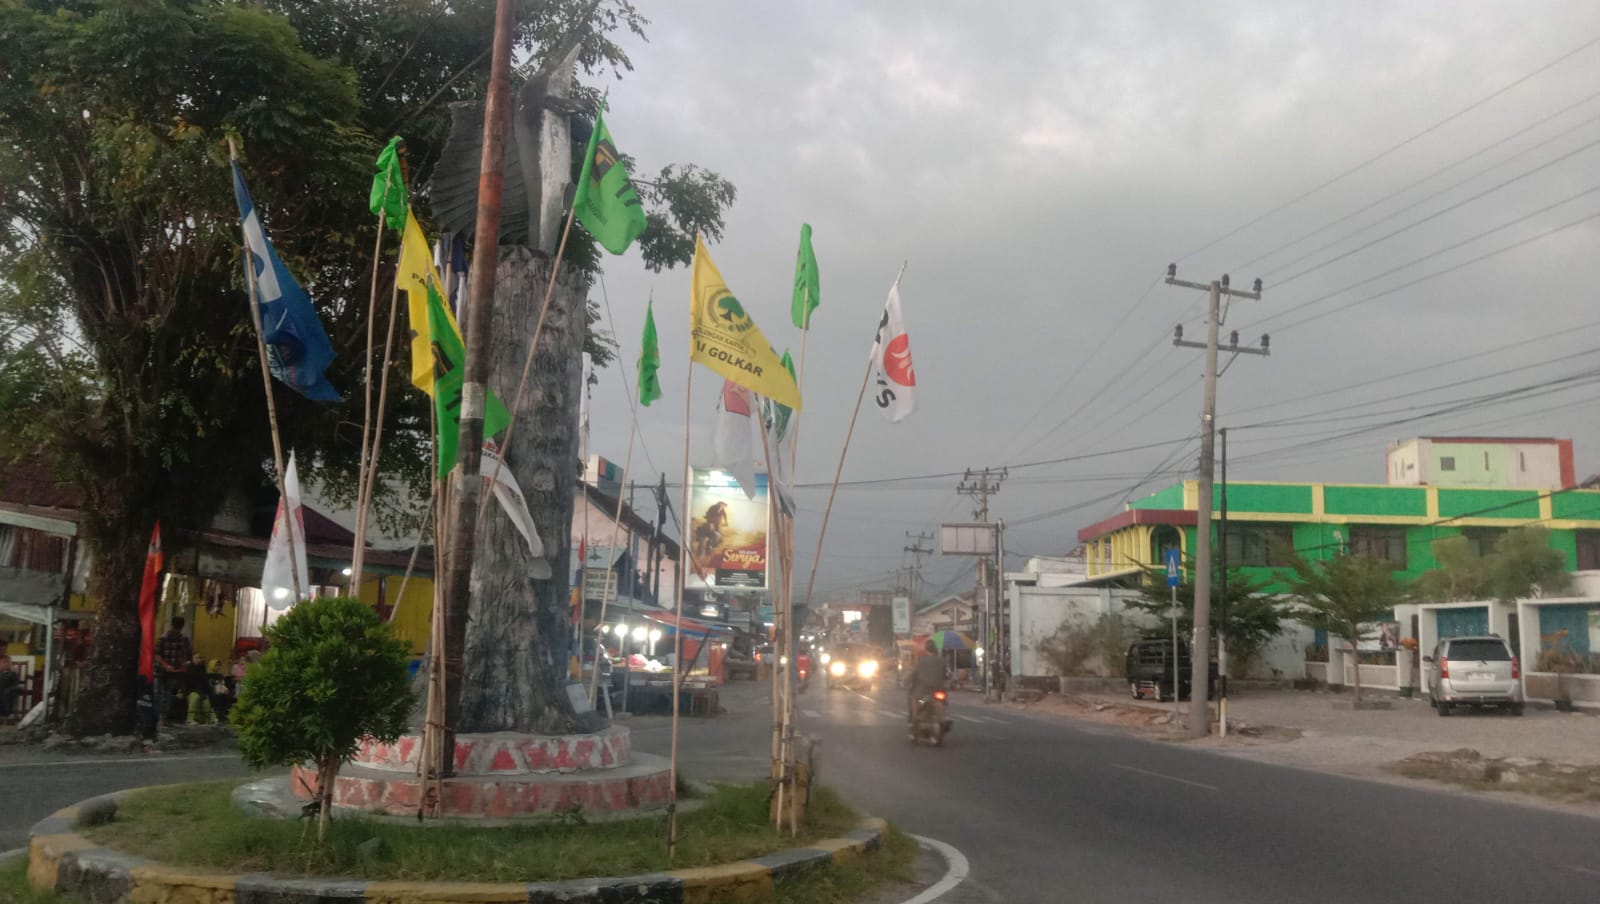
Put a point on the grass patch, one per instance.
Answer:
(849, 882)
(14, 887)
(197, 825)
(1540, 778)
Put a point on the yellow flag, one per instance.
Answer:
(418, 277)
(725, 339)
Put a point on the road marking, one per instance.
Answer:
(955, 873)
(118, 761)
(890, 714)
(811, 714)
(964, 718)
(1170, 778)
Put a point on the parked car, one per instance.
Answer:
(1148, 665)
(1476, 672)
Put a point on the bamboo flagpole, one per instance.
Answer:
(370, 478)
(782, 719)
(627, 463)
(811, 583)
(677, 631)
(356, 554)
(272, 410)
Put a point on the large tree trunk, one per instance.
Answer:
(520, 631)
(106, 703)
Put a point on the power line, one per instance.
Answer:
(1440, 171)
(1395, 147)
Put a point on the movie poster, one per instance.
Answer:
(727, 533)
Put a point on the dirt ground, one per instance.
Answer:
(1320, 730)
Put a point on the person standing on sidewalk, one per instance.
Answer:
(173, 653)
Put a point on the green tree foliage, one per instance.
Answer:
(334, 673)
(1253, 618)
(1080, 642)
(127, 358)
(1342, 595)
(1521, 564)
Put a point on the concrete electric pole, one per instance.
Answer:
(917, 551)
(980, 485)
(1200, 649)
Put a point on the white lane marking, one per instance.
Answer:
(811, 714)
(890, 714)
(955, 872)
(120, 761)
(966, 718)
(1170, 778)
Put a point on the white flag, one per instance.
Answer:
(895, 389)
(277, 582)
(733, 440)
(510, 497)
(776, 458)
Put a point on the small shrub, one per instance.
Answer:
(1083, 646)
(334, 673)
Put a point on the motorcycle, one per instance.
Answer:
(931, 723)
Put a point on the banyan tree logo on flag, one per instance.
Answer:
(894, 392)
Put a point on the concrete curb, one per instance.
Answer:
(61, 860)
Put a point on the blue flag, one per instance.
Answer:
(298, 351)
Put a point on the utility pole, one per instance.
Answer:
(980, 485)
(1200, 649)
(917, 551)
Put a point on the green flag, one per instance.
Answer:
(807, 294)
(389, 186)
(449, 351)
(778, 415)
(649, 359)
(606, 202)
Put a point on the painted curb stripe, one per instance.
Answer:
(64, 861)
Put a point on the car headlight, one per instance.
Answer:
(827, 658)
(837, 670)
(867, 668)
(783, 660)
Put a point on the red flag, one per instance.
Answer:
(147, 605)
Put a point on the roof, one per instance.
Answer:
(1172, 517)
(30, 483)
(630, 518)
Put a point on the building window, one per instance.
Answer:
(1386, 544)
(1481, 540)
(1588, 550)
(1447, 463)
(1253, 545)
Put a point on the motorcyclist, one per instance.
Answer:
(927, 676)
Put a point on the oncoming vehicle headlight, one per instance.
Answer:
(837, 670)
(783, 660)
(827, 658)
(868, 668)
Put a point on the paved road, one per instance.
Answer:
(1050, 810)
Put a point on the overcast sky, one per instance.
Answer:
(1038, 164)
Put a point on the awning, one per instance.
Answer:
(690, 627)
(27, 595)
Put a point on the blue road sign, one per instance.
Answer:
(1174, 568)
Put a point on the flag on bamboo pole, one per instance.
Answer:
(606, 203)
(437, 350)
(298, 350)
(778, 414)
(895, 389)
(389, 186)
(725, 339)
(807, 293)
(649, 359)
(510, 497)
(153, 560)
(278, 583)
(733, 438)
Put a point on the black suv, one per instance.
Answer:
(1149, 669)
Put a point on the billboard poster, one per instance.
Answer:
(902, 615)
(728, 541)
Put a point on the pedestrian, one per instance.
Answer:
(10, 685)
(240, 666)
(197, 691)
(173, 654)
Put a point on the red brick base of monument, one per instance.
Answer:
(504, 775)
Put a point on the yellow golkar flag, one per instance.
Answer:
(724, 338)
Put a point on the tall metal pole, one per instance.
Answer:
(475, 369)
(1176, 683)
(1222, 582)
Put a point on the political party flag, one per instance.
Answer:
(725, 339)
(298, 351)
(733, 444)
(777, 462)
(437, 351)
(807, 294)
(153, 560)
(510, 498)
(895, 391)
(778, 415)
(649, 359)
(606, 203)
(277, 578)
(389, 186)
